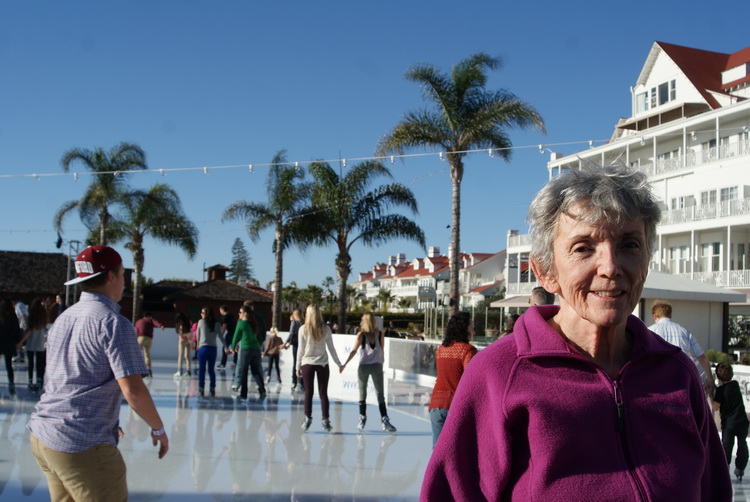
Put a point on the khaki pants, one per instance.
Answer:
(145, 343)
(94, 475)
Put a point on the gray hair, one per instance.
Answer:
(612, 194)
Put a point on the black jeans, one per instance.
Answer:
(250, 359)
(38, 359)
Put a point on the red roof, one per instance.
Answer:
(485, 287)
(737, 59)
(702, 68)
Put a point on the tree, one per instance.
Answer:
(290, 296)
(385, 298)
(108, 183)
(404, 303)
(330, 297)
(240, 265)
(312, 294)
(466, 116)
(157, 213)
(345, 211)
(351, 296)
(287, 195)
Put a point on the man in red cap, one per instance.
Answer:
(93, 362)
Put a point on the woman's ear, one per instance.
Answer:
(546, 280)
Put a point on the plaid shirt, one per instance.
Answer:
(89, 348)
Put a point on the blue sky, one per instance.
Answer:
(229, 83)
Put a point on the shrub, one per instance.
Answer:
(720, 357)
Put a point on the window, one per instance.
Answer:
(663, 93)
(653, 97)
(741, 258)
(730, 193)
(678, 203)
(710, 257)
(708, 197)
(641, 102)
(678, 257)
(672, 90)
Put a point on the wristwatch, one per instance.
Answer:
(158, 432)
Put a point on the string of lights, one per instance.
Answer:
(251, 167)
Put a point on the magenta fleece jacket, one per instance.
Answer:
(533, 420)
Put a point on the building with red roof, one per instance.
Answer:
(424, 282)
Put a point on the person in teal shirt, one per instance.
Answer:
(249, 357)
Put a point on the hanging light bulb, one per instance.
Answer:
(692, 135)
(250, 168)
(489, 152)
(343, 163)
(393, 159)
(441, 156)
(75, 176)
(162, 172)
(205, 170)
(541, 149)
(591, 143)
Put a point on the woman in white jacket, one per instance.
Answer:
(314, 338)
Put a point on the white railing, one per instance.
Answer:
(694, 158)
(736, 207)
(730, 279)
(519, 240)
(519, 288)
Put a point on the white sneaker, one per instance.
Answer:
(178, 374)
(306, 423)
(362, 422)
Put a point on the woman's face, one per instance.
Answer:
(597, 270)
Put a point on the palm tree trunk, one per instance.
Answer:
(343, 269)
(276, 315)
(457, 170)
(138, 261)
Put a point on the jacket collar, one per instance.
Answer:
(534, 337)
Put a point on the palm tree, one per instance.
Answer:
(157, 213)
(404, 303)
(351, 296)
(286, 196)
(108, 182)
(290, 296)
(466, 116)
(344, 211)
(385, 297)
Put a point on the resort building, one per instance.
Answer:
(424, 282)
(689, 130)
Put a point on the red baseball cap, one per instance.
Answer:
(94, 261)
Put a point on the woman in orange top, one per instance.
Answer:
(451, 360)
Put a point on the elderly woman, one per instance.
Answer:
(582, 402)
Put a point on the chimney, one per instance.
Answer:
(400, 258)
(433, 252)
(217, 272)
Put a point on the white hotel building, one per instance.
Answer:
(690, 132)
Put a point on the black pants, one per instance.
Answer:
(294, 367)
(228, 342)
(9, 366)
(250, 359)
(38, 359)
(273, 359)
(727, 438)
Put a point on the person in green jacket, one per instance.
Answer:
(249, 357)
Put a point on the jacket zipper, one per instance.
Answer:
(621, 431)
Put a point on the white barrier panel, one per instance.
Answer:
(340, 386)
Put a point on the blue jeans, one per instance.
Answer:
(206, 356)
(437, 420)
